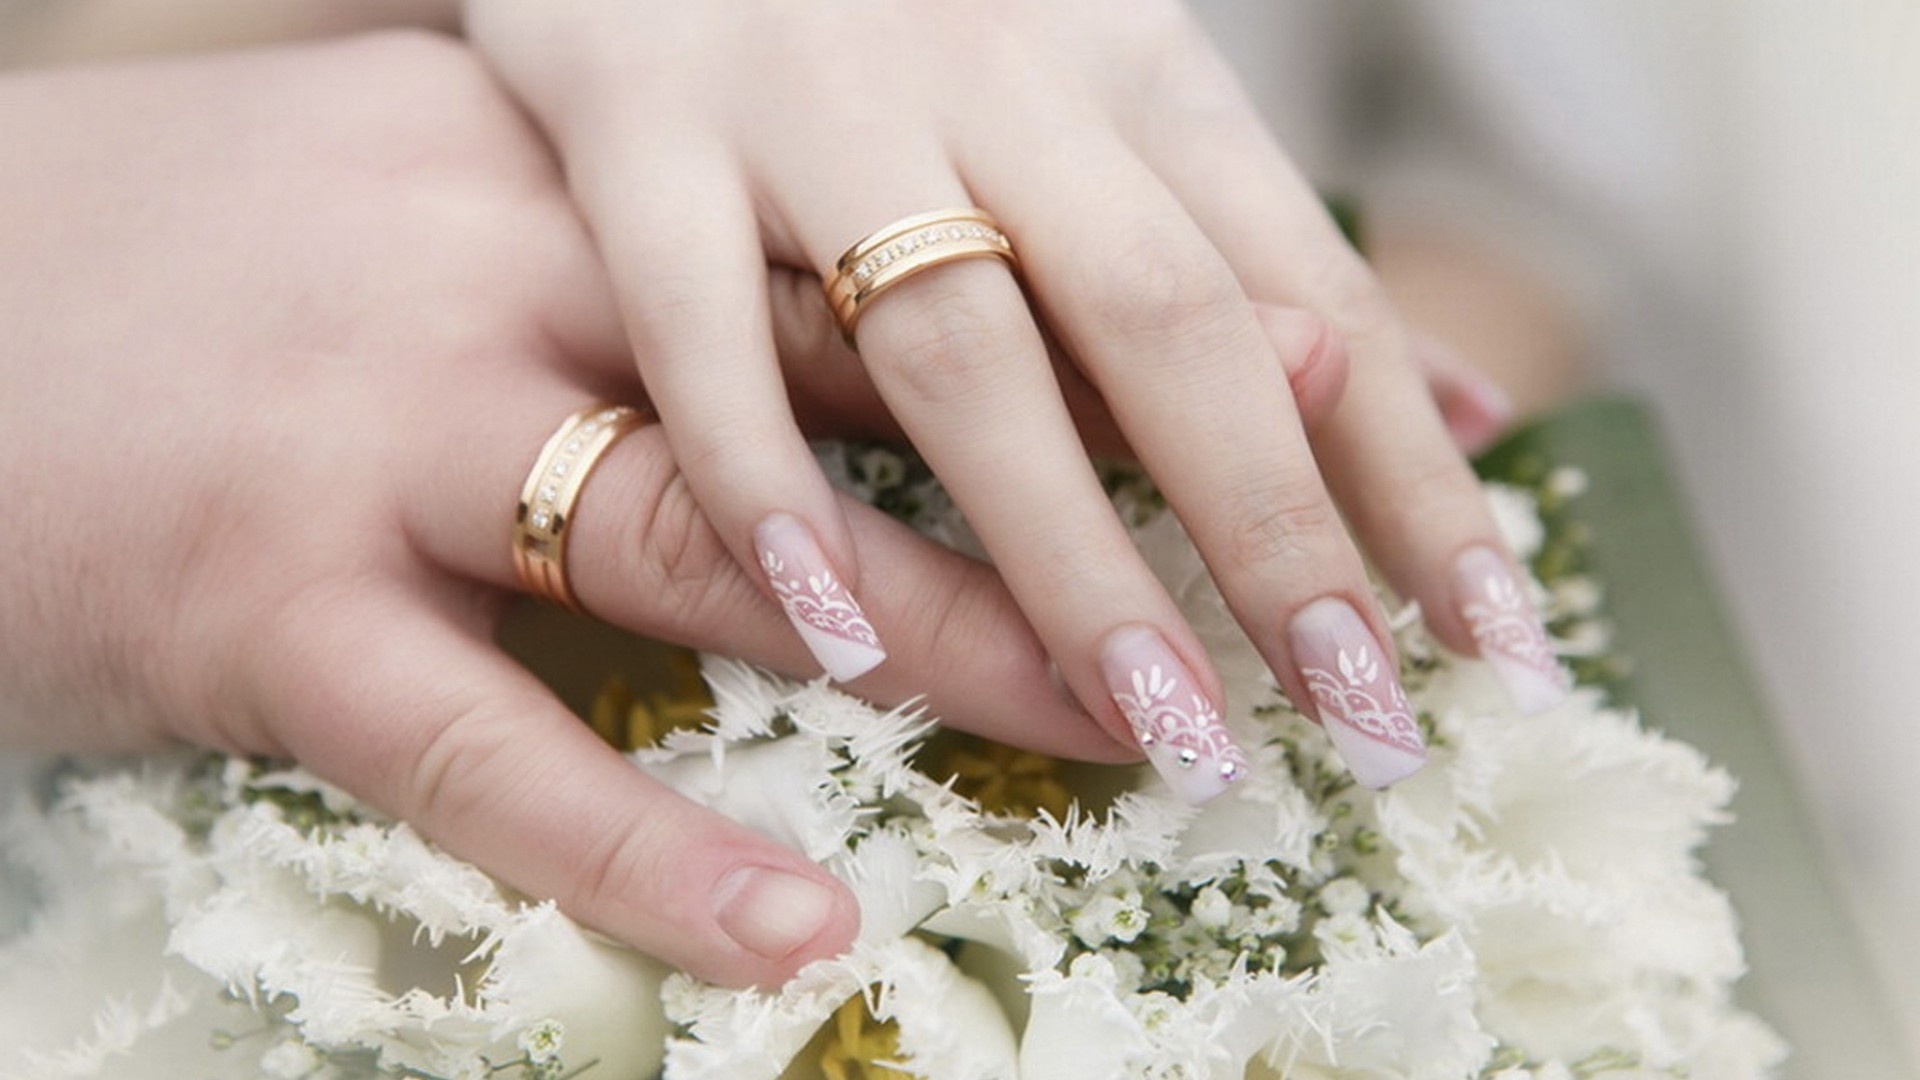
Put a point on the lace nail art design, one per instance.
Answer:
(1193, 730)
(1356, 693)
(1178, 726)
(818, 604)
(820, 601)
(1360, 699)
(1512, 641)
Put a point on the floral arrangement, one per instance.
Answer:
(1530, 907)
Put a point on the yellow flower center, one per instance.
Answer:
(629, 722)
(1005, 780)
(855, 1043)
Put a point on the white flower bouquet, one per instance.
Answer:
(1529, 906)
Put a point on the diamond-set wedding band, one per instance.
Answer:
(907, 247)
(552, 489)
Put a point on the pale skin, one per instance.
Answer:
(707, 141)
(274, 381)
(368, 431)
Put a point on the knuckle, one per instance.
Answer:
(1433, 489)
(950, 610)
(672, 551)
(460, 747)
(949, 351)
(1280, 522)
(1350, 295)
(622, 864)
(1158, 286)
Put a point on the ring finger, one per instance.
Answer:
(640, 552)
(958, 359)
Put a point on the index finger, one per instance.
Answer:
(644, 556)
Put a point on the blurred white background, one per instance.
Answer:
(1728, 197)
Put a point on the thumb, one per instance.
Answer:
(439, 729)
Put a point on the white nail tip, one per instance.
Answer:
(818, 604)
(1357, 694)
(1500, 615)
(1373, 764)
(1532, 690)
(843, 660)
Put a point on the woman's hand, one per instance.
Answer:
(1150, 212)
(285, 332)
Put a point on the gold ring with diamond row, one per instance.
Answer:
(553, 487)
(907, 247)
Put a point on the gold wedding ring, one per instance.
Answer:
(553, 487)
(907, 247)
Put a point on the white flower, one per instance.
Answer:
(307, 917)
(1345, 896)
(1396, 1009)
(1346, 933)
(1109, 918)
(1212, 909)
(1277, 917)
(543, 1041)
(949, 1024)
(1517, 514)
(1535, 891)
(1567, 482)
(1577, 595)
(544, 967)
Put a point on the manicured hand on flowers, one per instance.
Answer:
(285, 332)
(1151, 213)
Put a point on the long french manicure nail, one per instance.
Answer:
(816, 601)
(1357, 693)
(1177, 724)
(1494, 602)
(771, 913)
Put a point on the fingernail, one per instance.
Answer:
(816, 601)
(1480, 413)
(1175, 722)
(1356, 693)
(1493, 600)
(771, 913)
